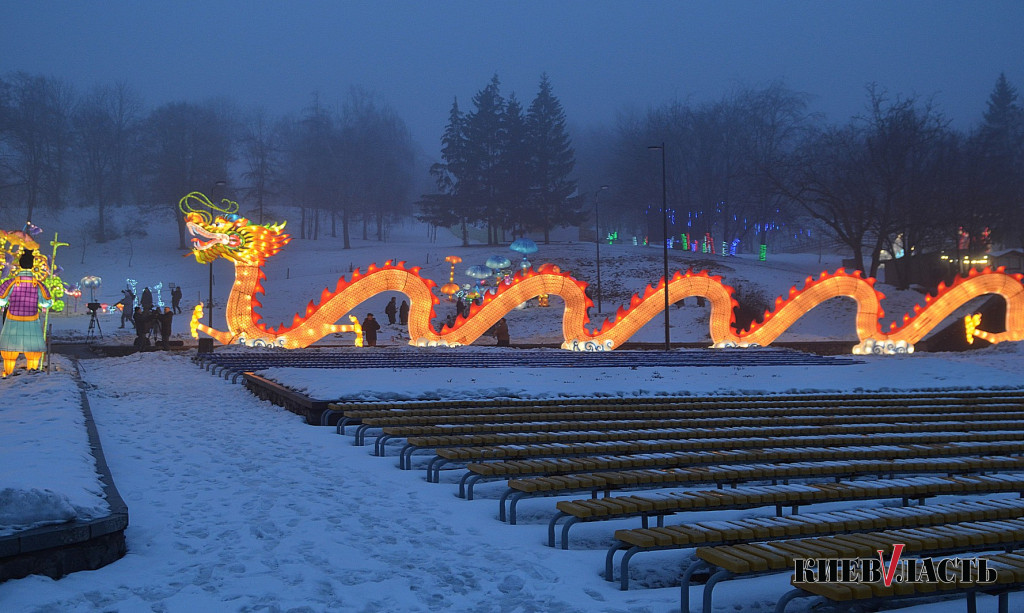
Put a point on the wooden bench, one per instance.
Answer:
(729, 561)
(847, 398)
(715, 533)
(779, 496)
(586, 457)
(679, 440)
(606, 482)
(709, 418)
(1009, 569)
(822, 423)
(762, 404)
(433, 424)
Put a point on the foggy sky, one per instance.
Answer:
(602, 56)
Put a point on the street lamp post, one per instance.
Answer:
(597, 232)
(664, 227)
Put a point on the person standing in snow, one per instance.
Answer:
(403, 313)
(501, 332)
(142, 324)
(370, 327)
(146, 301)
(165, 327)
(390, 311)
(176, 299)
(127, 303)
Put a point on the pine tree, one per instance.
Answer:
(449, 206)
(484, 138)
(515, 168)
(999, 142)
(552, 162)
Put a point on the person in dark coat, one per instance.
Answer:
(501, 332)
(142, 322)
(370, 327)
(146, 302)
(403, 313)
(176, 299)
(458, 307)
(165, 327)
(390, 311)
(127, 304)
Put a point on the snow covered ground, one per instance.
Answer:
(236, 505)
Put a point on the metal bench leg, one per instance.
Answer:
(609, 560)
(709, 587)
(405, 456)
(513, 503)
(624, 567)
(501, 503)
(471, 484)
(551, 527)
(378, 445)
(462, 483)
(360, 435)
(434, 469)
(565, 531)
(684, 593)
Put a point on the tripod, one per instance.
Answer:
(94, 324)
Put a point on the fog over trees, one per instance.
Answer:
(755, 167)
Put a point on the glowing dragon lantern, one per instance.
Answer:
(248, 246)
(230, 236)
(451, 287)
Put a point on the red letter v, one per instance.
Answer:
(890, 572)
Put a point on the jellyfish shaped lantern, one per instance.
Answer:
(451, 287)
(524, 246)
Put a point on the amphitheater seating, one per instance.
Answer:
(843, 596)
(715, 533)
(607, 482)
(555, 447)
(659, 505)
(728, 561)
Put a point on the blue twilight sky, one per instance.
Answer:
(602, 56)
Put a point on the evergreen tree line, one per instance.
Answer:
(505, 169)
(760, 167)
(349, 168)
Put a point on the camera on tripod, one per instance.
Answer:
(93, 307)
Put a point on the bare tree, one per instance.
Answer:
(39, 137)
(260, 150)
(188, 147)
(105, 123)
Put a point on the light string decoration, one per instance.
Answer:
(248, 246)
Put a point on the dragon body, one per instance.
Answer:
(248, 246)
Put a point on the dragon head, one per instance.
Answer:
(228, 235)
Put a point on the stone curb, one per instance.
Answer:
(60, 549)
